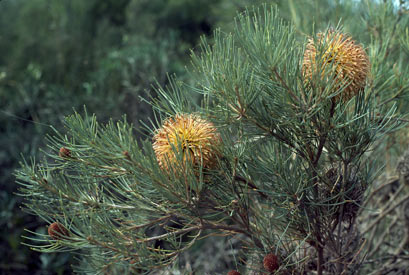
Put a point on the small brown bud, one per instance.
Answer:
(270, 263)
(64, 152)
(233, 272)
(126, 155)
(57, 231)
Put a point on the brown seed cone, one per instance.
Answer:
(64, 152)
(126, 155)
(233, 272)
(196, 137)
(57, 231)
(350, 62)
(270, 263)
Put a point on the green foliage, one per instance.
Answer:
(295, 165)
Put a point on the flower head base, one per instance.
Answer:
(233, 272)
(194, 136)
(336, 51)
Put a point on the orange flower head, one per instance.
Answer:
(57, 231)
(197, 138)
(347, 59)
(270, 263)
(233, 272)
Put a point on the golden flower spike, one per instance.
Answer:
(351, 63)
(196, 137)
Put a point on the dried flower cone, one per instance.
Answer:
(64, 152)
(351, 64)
(233, 272)
(270, 263)
(196, 137)
(57, 231)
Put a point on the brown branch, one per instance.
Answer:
(391, 180)
(386, 212)
(320, 262)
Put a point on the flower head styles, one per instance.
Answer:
(196, 137)
(348, 60)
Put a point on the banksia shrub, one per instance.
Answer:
(293, 169)
(57, 231)
(270, 263)
(340, 54)
(197, 138)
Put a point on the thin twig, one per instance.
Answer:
(386, 212)
(135, 227)
(251, 184)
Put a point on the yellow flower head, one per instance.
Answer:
(196, 137)
(349, 60)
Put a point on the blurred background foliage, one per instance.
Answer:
(57, 56)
